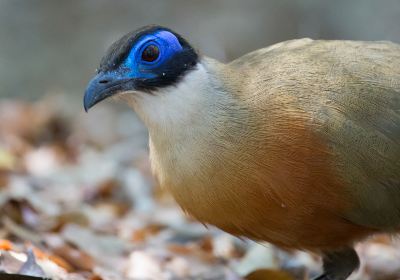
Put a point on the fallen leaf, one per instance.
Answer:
(5, 245)
(106, 249)
(68, 257)
(140, 235)
(21, 232)
(268, 274)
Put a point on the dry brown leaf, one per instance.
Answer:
(77, 259)
(56, 259)
(5, 245)
(268, 274)
(140, 235)
(4, 178)
(206, 244)
(180, 249)
(21, 232)
(72, 217)
(67, 256)
(382, 238)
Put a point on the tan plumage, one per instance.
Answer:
(305, 154)
(297, 144)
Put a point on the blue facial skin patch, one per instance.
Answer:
(167, 44)
(145, 60)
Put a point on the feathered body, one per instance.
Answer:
(299, 145)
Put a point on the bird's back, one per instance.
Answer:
(348, 93)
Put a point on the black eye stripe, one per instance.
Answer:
(167, 73)
(150, 53)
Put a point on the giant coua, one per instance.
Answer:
(297, 144)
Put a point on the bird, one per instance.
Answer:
(296, 144)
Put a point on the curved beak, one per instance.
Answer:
(104, 85)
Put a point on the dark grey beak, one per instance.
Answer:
(104, 85)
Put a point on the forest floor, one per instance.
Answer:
(78, 201)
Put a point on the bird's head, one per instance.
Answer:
(143, 61)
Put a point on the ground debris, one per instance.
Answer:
(77, 201)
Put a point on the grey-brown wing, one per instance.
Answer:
(352, 91)
(365, 120)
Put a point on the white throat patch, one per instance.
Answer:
(174, 105)
(186, 121)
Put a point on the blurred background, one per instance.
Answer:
(50, 47)
(76, 189)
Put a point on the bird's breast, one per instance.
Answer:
(275, 185)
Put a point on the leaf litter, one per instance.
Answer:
(78, 201)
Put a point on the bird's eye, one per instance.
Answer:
(150, 53)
